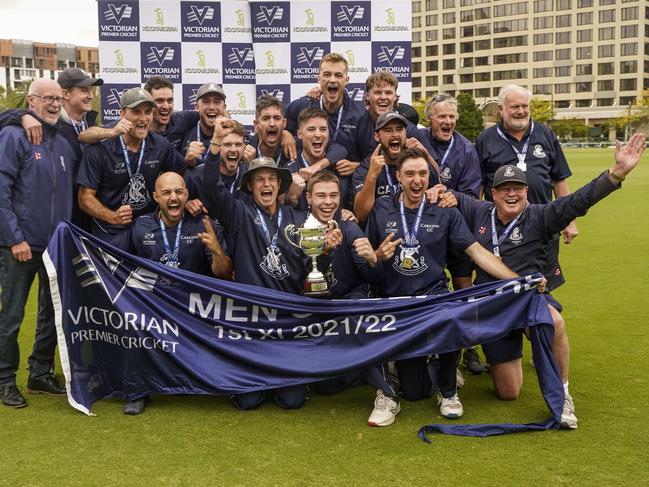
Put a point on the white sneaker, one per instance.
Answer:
(459, 378)
(450, 407)
(385, 410)
(568, 418)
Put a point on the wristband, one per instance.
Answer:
(615, 176)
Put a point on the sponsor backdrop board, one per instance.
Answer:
(250, 47)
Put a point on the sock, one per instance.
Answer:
(565, 388)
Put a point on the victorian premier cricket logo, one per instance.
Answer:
(270, 21)
(200, 22)
(350, 21)
(161, 59)
(120, 22)
(239, 63)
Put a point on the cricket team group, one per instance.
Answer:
(194, 190)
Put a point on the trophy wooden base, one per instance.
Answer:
(316, 289)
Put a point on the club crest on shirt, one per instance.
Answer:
(446, 174)
(539, 153)
(272, 265)
(137, 195)
(408, 262)
(516, 235)
(149, 239)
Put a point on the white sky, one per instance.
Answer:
(65, 21)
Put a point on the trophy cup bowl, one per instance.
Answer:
(311, 240)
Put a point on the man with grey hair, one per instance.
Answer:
(534, 148)
(35, 195)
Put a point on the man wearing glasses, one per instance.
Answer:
(35, 195)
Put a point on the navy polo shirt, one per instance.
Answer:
(387, 182)
(190, 136)
(523, 251)
(346, 136)
(279, 157)
(420, 269)
(249, 246)
(194, 180)
(103, 169)
(146, 241)
(365, 141)
(179, 124)
(348, 273)
(545, 160)
(461, 168)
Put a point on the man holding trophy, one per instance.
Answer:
(254, 229)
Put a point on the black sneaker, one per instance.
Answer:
(471, 361)
(133, 408)
(46, 384)
(12, 397)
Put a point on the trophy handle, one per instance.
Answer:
(291, 229)
(332, 225)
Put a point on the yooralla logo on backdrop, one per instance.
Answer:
(161, 59)
(350, 21)
(201, 21)
(119, 22)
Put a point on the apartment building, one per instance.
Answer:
(22, 60)
(590, 58)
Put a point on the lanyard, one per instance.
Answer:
(259, 154)
(234, 181)
(272, 242)
(127, 162)
(411, 238)
(442, 164)
(172, 257)
(393, 187)
(522, 154)
(495, 239)
(79, 127)
(304, 162)
(340, 116)
(198, 139)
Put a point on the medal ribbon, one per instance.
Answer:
(127, 160)
(172, 257)
(411, 238)
(495, 239)
(340, 117)
(198, 139)
(79, 127)
(272, 242)
(259, 154)
(522, 154)
(442, 163)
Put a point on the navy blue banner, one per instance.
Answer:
(129, 327)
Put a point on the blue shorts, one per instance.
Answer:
(511, 347)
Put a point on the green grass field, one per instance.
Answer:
(203, 441)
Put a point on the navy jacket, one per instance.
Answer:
(247, 242)
(461, 169)
(179, 124)
(524, 250)
(35, 186)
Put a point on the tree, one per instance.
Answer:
(15, 98)
(570, 128)
(541, 110)
(420, 106)
(470, 121)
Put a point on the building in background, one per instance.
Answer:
(22, 60)
(590, 58)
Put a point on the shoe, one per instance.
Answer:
(385, 410)
(12, 397)
(450, 407)
(459, 378)
(46, 384)
(568, 418)
(133, 408)
(471, 361)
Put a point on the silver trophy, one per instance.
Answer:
(311, 240)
